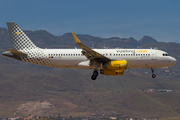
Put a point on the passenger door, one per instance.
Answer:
(153, 54)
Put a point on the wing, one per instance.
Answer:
(89, 53)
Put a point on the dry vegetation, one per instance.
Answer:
(33, 89)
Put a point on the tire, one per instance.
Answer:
(153, 75)
(95, 73)
(93, 77)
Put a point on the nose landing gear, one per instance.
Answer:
(153, 75)
(95, 74)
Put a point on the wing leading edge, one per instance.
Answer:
(89, 53)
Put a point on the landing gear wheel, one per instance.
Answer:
(153, 75)
(95, 73)
(93, 77)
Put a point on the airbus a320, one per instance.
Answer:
(103, 61)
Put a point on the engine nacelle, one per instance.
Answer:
(116, 65)
(111, 72)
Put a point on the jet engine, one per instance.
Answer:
(114, 67)
(111, 72)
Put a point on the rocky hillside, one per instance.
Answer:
(40, 90)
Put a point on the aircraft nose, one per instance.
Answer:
(173, 61)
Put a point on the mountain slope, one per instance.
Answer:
(24, 83)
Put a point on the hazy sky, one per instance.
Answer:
(159, 19)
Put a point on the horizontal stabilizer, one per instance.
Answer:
(18, 53)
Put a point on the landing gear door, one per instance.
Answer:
(154, 54)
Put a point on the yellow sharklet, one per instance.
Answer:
(75, 38)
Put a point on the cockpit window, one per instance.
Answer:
(165, 54)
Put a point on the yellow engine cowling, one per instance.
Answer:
(111, 72)
(116, 65)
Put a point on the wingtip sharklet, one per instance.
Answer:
(75, 38)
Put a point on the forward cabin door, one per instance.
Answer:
(153, 54)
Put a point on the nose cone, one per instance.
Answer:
(173, 61)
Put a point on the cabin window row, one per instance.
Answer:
(126, 54)
(102, 54)
(65, 54)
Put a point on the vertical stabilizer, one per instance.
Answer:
(19, 39)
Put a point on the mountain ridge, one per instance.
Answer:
(42, 37)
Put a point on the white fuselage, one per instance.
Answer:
(107, 61)
(136, 58)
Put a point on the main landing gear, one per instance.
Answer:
(95, 74)
(153, 75)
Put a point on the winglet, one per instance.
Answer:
(76, 39)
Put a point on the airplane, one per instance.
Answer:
(104, 61)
